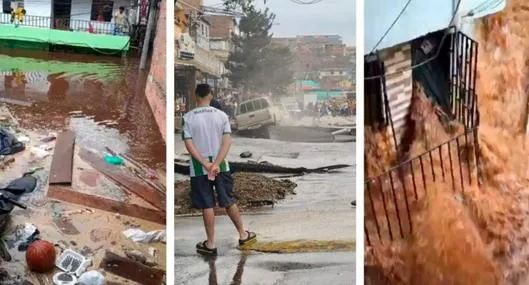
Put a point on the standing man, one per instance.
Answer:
(207, 136)
(120, 19)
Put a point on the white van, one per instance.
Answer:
(256, 113)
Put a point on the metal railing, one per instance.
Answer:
(391, 197)
(77, 25)
(463, 74)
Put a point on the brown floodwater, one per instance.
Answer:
(101, 98)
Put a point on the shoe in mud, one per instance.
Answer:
(252, 238)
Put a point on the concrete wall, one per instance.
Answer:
(156, 81)
(399, 85)
(38, 8)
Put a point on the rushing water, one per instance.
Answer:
(101, 98)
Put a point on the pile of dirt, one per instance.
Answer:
(251, 190)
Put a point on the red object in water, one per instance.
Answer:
(40, 256)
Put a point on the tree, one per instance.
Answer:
(244, 5)
(255, 64)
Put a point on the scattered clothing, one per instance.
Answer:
(9, 144)
(140, 236)
(92, 278)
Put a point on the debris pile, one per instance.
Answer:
(252, 190)
(53, 169)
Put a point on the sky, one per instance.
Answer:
(327, 17)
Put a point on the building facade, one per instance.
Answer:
(82, 25)
(421, 33)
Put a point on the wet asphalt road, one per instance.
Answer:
(320, 211)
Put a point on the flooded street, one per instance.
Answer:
(105, 95)
(320, 212)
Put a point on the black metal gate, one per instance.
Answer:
(463, 68)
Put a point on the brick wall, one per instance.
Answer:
(399, 85)
(156, 81)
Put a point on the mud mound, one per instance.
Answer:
(251, 190)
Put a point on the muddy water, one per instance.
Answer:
(498, 208)
(101, 98)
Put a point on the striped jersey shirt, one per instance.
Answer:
(205, 126)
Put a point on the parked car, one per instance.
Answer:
(256, 113)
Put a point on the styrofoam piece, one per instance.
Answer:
(71, 261)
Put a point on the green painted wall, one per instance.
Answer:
(39, 36)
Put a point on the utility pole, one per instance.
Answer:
(147, 40)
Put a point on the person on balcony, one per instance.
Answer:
(17, 15)
(120, 20)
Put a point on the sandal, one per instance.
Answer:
(202, 248)
(252, 237)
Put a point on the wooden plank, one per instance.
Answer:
(130, 269)
(65, 194)
(127, 180)
(62, 164)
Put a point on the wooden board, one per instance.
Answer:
(127, 180)
(130, 269)
(62, 164)
(65, 194)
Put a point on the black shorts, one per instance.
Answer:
(202, 191)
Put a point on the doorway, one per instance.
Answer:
(62, 10)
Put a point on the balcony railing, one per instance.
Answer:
(74, 25)
(391, 197)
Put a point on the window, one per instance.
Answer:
(373, 93)
(250, 107)
(243, 109)
(264, 103)
(257, 104)
(102, 10)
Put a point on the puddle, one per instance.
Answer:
(102, 99)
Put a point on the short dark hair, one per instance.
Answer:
(203, 90)
(121, 8)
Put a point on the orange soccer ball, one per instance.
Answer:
(40, 256)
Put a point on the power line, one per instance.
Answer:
(447, 31)
(392, 24)
(300, 2)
